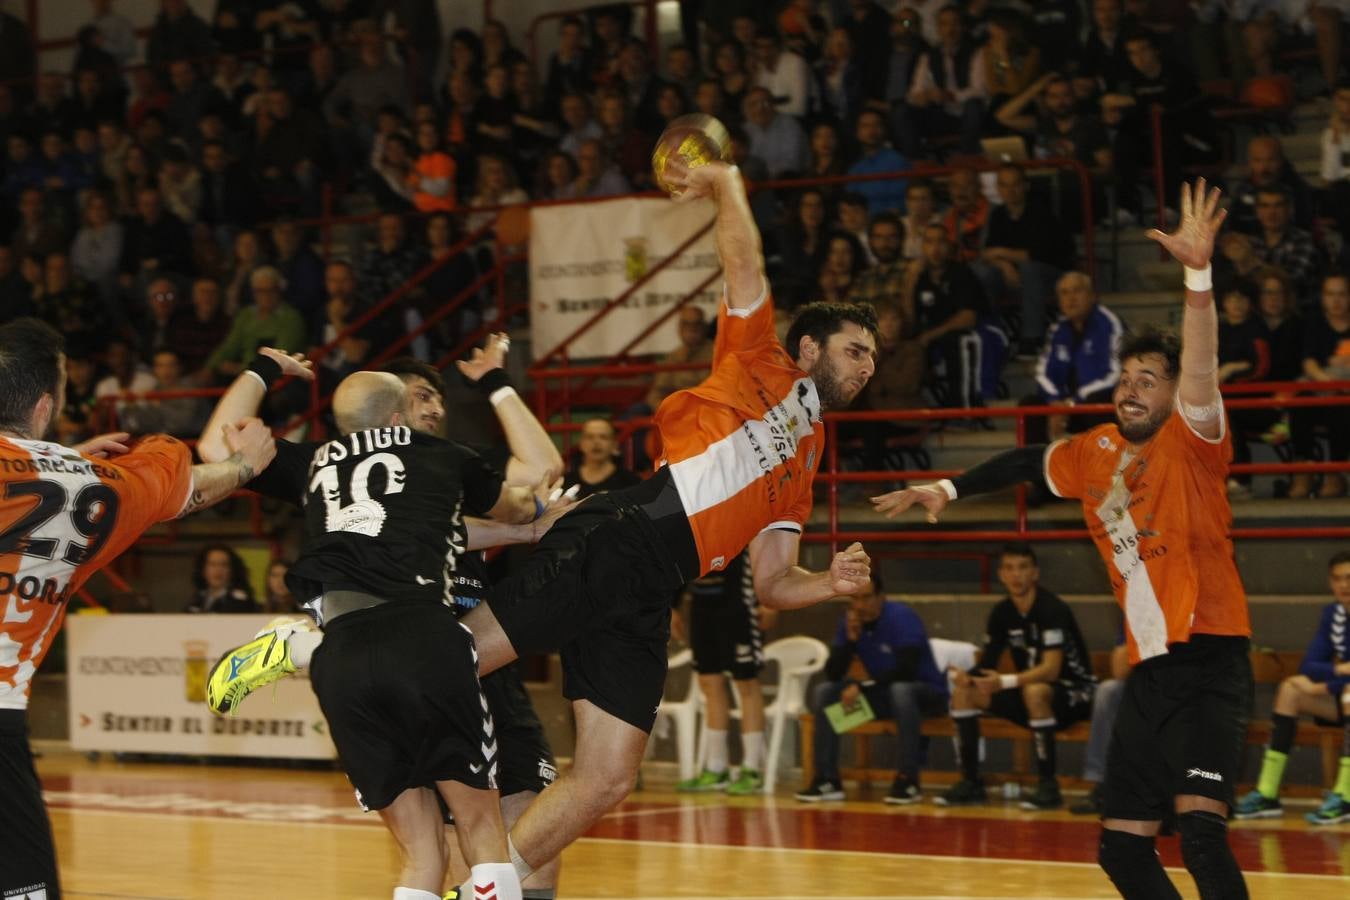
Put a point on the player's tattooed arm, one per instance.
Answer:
(251, 448)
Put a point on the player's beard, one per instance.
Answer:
(1142, 430)
(833, 392)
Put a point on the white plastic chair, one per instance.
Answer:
(798, 657)
(684, 715)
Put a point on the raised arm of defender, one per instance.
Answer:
(738, 243)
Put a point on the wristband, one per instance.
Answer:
(500, 394)
(265, 369)
(1007, 682)
(1200, 280)
(538, 508)
(492, 381)
(946, 486)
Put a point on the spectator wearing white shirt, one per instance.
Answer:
(783, 73)
(775, 137)
(948, 92)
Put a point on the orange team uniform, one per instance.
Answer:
(1160, 520)
(743, 447)
(65, 516)
(437, 167)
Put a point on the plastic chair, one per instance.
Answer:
(684, 715)
(798, 657)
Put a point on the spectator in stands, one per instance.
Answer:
(838, 78)
(869, 25)
(269, 322)
(126, 373)
(148, 97)
(279, 599)
(1105, 704)
(353, 350)
(249, 254)
(220, 581)
(391, 158)
(906, 48)
(392, 261)
(851, 218)
(1049, 689)
(948, 92)
(556, 177)
(827, 158)
(876, 157)
(178, 33)
(1244, 356)
(290, 149)
(897, 383)
(1025, 251)
(696, 346)
(1336, 158)
(1011, 62)
(191, 99)
(784, 74)
(16, 293)
(154, 241)
(228, 193)
(232, 27)
(178, 416)
(682, 69)
(535, 126)
(802, 245)
(288, 28)
(1284, 327)
(880, 652)
(1267, 168)
(1059, 128)
(200, 331)
(883, 282)
(639, 85)
(729, 62)
(920, 212)
(628, 147)
(1079, 363)
(300, 266)
(432, 174)
(968, 217)
(416, 24)
(37, 234)
(568, 66)
(844, 261)
(164, 316)
(596, 467)
(1103, 61)
(495, 114)
(68, 304)
(232, 80)
(180, 184)
(496, 186)
(775, 137)
(670, 104)
(82, 378)
(1321, 689)
(941, 305)
(22, 170)
(459, 106)
(1236, 261)
(465, 52)
(119, 35)
(361, 92)
(1283, 244)
(52, 110)
(578, 123)
(710, 101)
(1326, 357)
(94, 101)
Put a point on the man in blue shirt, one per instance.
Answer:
(901, 681)
(878, 156)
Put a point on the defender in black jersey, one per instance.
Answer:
(1050, 690)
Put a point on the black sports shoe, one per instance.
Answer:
(903, 792)
(1091, 805)
(964, 793)
(819, 790)
(1047, 796)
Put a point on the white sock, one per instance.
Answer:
(753, 744)
(303, 644)
(716, 760)
(495, 881)
(406, 893)
(523, 869)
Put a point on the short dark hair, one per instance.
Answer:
(30, 366)
(1019, 548)
(820, 320)
(852, 198)
(887, 218)
(1338, 559)
(1153, 342)
(919, 184)
(408, 366)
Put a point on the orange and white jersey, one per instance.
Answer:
(62, 517)
(744, 445)
(1160, 519)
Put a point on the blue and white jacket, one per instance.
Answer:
(1090, 361)
(1329, 646)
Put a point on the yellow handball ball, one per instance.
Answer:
(695, 139)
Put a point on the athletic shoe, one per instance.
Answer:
(903, 792)
(1334, 810)
(1047, 796)
(705, 782)
(263, 660)
(821, 790)
(964, 793)
(1256, 805)
(1091, 805)
(746, 782)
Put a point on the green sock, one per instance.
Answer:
(1343, 781)
(1272, 773)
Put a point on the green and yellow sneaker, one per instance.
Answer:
(705, 782)
(747, 782)
(1334, 810)
(260, 662)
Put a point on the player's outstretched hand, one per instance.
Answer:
(253, 441)
(850, 570)
(102, 446)
(291, 363)
(699, 181)
(557, 503)
(929, 496)
(485, 359)
(1192, 244)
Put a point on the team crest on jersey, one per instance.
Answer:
(362, 517)
(1106, 443)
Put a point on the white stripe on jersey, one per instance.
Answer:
(61, 529)
(1143, 612)
(746, 455)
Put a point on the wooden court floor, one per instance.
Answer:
(150, 830)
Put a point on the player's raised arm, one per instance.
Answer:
(534, 456)
(738, 243)
(1192, 244)
(250, 447)
(245, 395)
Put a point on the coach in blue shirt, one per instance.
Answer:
(902, 682)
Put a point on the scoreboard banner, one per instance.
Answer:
(137, 684)
(583, 255)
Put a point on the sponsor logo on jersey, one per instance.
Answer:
(548, 773)
(1201, 773)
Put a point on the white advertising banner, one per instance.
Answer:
(583, 255)
(138, 685)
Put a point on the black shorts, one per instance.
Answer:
(1071, 703)
(1181, 728)
(524, 759)
(725, 637)
(27, 851)
(398, 684)
(597, 588)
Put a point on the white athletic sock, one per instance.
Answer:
(716, 760)
(303, 644)
(495, 881)
(523, 869)
(406, 893)
(752, 743)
